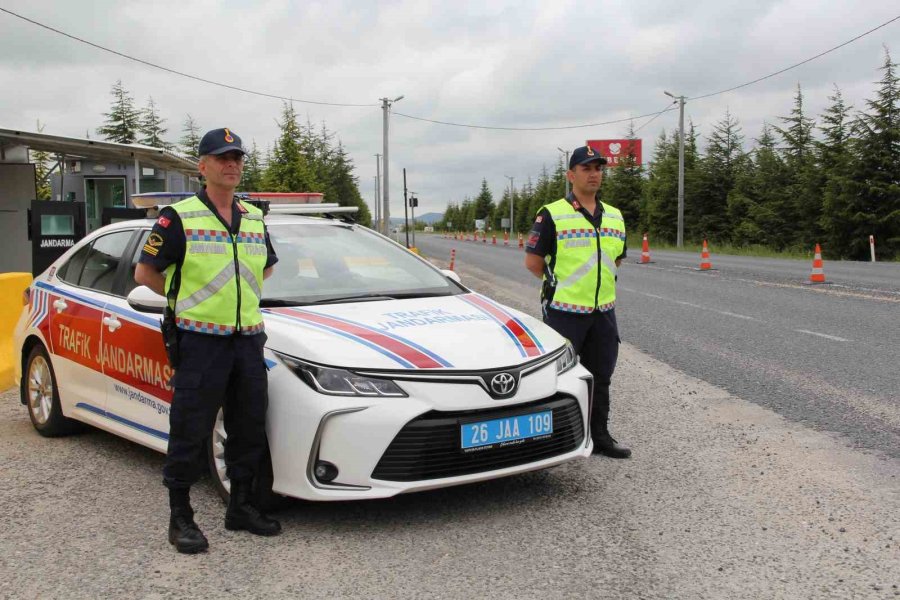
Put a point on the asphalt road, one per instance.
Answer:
(723, 499)
(824, 355)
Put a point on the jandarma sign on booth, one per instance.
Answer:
(615, 151)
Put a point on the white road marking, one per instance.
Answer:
(692, 305)
(823, 335)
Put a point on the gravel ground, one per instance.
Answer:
(722, 499)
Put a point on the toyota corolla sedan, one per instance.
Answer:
(386, 374)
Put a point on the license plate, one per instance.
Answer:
(506, 431)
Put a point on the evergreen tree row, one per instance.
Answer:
(833, 180)
(302, 159)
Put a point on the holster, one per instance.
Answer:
(170, 337)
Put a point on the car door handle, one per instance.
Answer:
(112, 322)
(60, 305)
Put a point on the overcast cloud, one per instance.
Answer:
(511, 64)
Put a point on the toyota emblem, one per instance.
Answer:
(503, 383)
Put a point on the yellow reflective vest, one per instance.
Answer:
(222, 273)
(585, 266)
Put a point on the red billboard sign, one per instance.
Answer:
(616, 150)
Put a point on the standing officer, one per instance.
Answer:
(576, 246)
(209, 254)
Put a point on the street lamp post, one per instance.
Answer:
(680, 235)
(566, 152)
(413, 203)
(512, 203)
(378, 225)
(386, 213)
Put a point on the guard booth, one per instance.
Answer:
(54, 227)
(88, 176)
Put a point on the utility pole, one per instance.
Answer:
(386, 213)
(512, 194)
(566, 152)
(680, 236)
(413, 202)
(378, 210)
(405, 209)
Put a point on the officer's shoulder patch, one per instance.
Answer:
(155, 240)
(539, 219)
(164, 222)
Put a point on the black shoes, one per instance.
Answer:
(185, 535)
(243, 516)
(607, 446)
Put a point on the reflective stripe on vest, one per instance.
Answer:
(584, 254)
(221, 276)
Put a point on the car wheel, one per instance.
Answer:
(41, 396)
(263, 496)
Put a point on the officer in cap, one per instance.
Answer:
(209, 254)
(576, 246)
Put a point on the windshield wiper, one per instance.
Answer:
(354, 298)
(276, 302)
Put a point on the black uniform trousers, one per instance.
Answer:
(227, 372)
(595, 337)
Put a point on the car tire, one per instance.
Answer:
(40, 394)
(263, 496)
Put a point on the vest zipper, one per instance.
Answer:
(599, 266)
(237, 280)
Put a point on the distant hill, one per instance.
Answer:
(430, 218)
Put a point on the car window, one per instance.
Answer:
(71, 270)
(318, 262)
(130, 283)
(102, 261)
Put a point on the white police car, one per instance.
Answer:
(386, 374)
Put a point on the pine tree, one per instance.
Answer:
(41, 160)
(706, 215)
(804, 184)
(151, 127)
(189, 144)
(252, 178)
(484, 202)
(344, 185)
(123, 120)
(288, 169)
(866, 201)
(659, 212)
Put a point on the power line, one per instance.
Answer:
(173, 71)
(525, 128)
(803, 62)
(653, 118)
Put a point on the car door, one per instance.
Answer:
(76, 302)
(137, 370)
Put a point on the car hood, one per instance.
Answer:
(466, 332)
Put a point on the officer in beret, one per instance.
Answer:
(576, 246)
(209, 254)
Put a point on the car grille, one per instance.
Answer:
(429, 447)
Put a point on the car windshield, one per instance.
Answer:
(323, 263)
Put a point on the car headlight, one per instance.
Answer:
(340, 382)
(567, 359)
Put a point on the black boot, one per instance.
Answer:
(604, 443)
(183, 531)
(242, 515)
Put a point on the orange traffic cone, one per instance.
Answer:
(645, 252)
(521, 243)
(452, 257)
(506, 238)
(484, 238)
(494, 239)
(705, 262)
(818, 268)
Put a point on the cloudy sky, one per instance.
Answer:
(503, 64)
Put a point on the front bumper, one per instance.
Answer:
(367, 438)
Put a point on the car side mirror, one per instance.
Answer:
(144, 299)
(452, 275)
